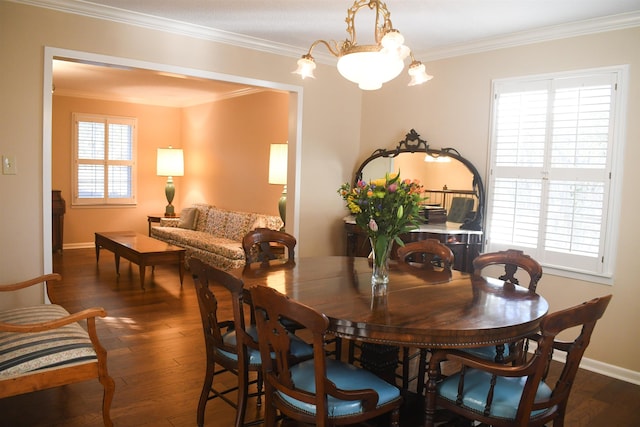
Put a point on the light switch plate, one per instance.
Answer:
(9, 166)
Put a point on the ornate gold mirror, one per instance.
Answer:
(452, 184)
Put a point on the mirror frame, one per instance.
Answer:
(414, 144)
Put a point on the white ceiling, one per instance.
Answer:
(432, 28)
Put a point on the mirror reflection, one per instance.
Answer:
(453, 187)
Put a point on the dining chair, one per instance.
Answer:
(529, 394)
(424, 254)
(257, 248)
(257, 245)
(230, 343)
(321, 391)
(514, 262)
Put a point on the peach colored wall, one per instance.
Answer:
(157, 127)
(226, 146)
(227, 151)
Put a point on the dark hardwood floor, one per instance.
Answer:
(156, 357)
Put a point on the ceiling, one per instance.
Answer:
(432, 28)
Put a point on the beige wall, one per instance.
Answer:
(453, 110)
(337, 132)
(323, 139)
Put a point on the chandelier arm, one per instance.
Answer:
(334, 50)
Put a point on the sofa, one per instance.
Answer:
(212, 234)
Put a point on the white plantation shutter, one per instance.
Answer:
(552, 152)
(104, 160)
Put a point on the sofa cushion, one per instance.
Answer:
(23, 353)
(203, 211)
(188, 218)
(216, 221)
(238, 224)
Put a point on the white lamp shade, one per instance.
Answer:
(370, 69)
(278, 164)
(170, 162)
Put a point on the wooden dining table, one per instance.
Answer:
(421, 308)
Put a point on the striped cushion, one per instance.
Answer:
(24, 353)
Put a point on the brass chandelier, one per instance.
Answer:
(369, 65)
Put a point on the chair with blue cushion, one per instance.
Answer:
(525, 395)
(231, 345)
(427, 254)
(321, 391)
(516, 264)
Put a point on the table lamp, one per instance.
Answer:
(170, 163)
(278, 174)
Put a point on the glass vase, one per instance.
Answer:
(381, 249)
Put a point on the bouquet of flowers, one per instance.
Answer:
(384, 208)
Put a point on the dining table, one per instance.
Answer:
(422, 308)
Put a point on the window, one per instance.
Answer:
(104, 159)
(555, 144)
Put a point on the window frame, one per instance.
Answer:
(105, 201)
(612, 204)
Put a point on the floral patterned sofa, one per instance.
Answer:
(213, 234)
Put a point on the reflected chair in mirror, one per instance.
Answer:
(515, 263)
(427, 254)
(531, 394)
(259, 245)
(321, 391)
(230, 343)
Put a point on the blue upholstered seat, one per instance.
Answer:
(506, 398)
(346, 377)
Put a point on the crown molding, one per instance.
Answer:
(158, 102)
(556, 32)
(573, 29)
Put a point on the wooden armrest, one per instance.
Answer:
(471, 361)
(53, 324)
(31, 282)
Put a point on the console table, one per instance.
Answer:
(465, 244)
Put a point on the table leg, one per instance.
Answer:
(117, 257)
(380, 359)
(430, 397)
(181, 268)
(97, 252)
(143, 269)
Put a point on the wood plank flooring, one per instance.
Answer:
(156, 357)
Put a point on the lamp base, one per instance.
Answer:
(282, 206)
(169, 211)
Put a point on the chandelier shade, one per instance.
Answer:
(369, 66)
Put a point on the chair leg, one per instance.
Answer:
(422, 371)
(109, 388)
(260, 385)
(395, 418)
(243, 390)
(204, 394)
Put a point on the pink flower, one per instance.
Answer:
(373, 226)
(392, 188)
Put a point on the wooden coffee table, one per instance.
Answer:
(139, 249)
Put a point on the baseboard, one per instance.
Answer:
(598, 367)
(87, 245)
(612, 371)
